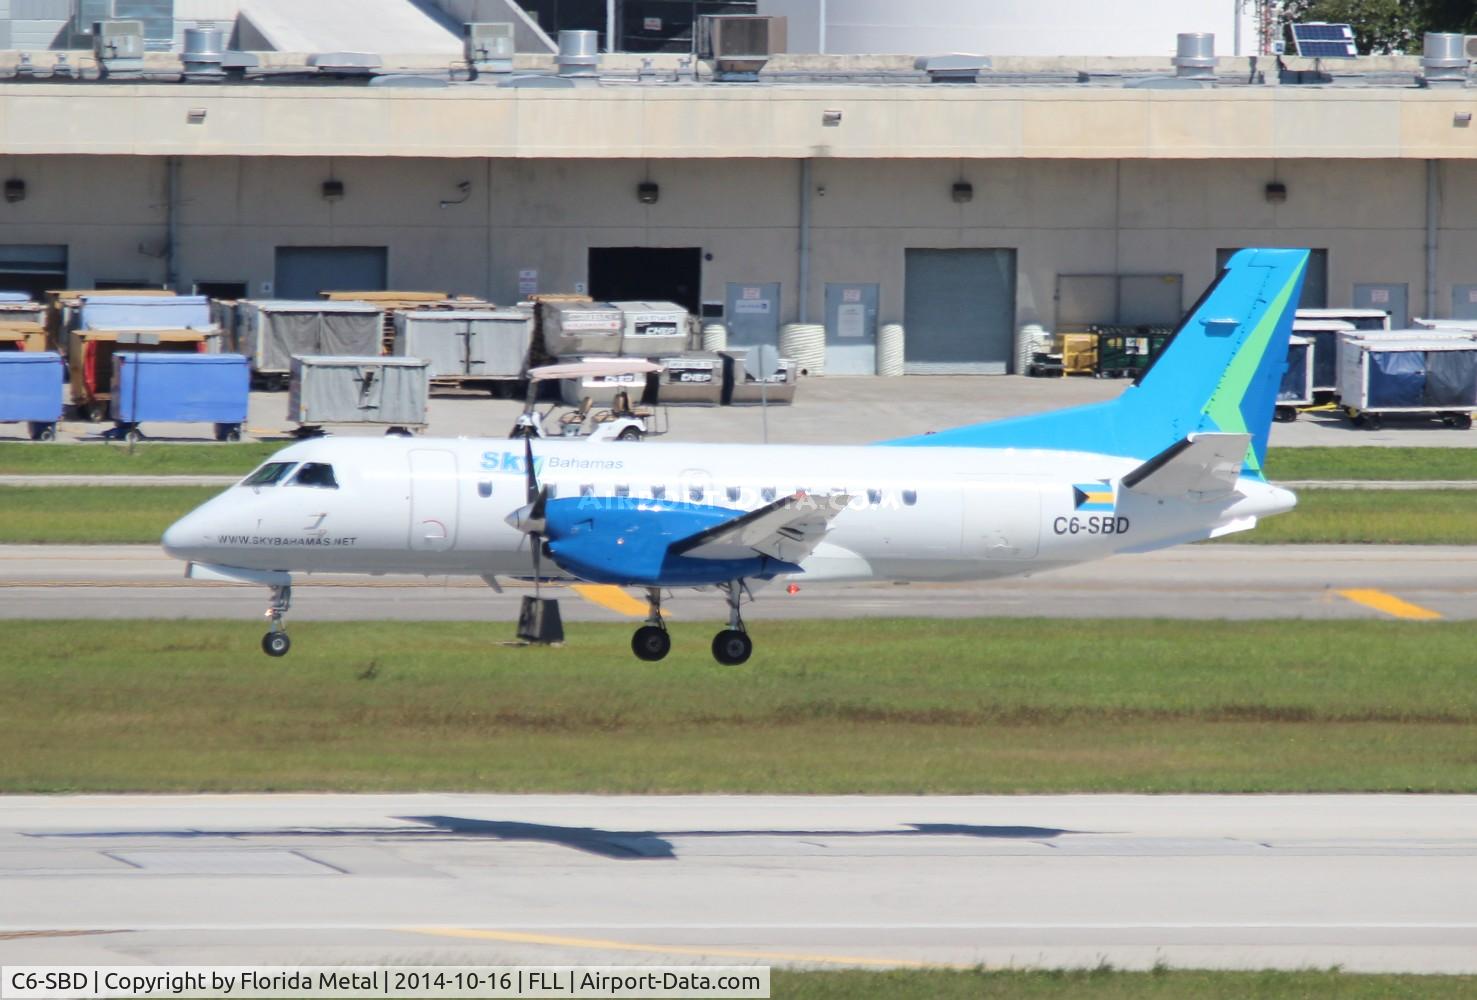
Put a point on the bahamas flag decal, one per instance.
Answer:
(1093, 496)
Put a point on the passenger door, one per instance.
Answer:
(434, 497)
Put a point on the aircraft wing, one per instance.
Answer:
(788, 529)
(1199, 467)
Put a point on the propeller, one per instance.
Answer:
(530, 518)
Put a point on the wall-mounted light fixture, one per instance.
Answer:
(15, 190)
(465, 189)
(1276, 192)
(830, 119)
(963, 192)
(333, 190)
(647, 192)
(195, 116)
(1462, 119)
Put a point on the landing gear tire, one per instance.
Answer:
(651, 643)
(276, 644)
(732, 647)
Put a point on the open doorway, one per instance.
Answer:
(647, 274)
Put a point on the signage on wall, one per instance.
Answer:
(1380, 296)
(528, 281)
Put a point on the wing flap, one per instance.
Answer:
(788, 529)
(1199, 467)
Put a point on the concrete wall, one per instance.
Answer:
(1063, 217)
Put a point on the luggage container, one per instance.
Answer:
(1079, 354)
(600, 387)
(1459, 325)
(1325, 335)
(579, 328)
(64, 310)
(1359, 319)
(144, 312)
(467, 346)
(31, 391)
(740, 388)
(365, 391)
(179, 388)
(22, 336)
(649, 329)
(1297, 381)
(1380, 375)
(90, 361)
(1127, 351)
(690, 380)
(271, 332)
(22, 310)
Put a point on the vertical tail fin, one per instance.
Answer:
(1220, 373)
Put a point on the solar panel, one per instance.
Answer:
(1325, 41)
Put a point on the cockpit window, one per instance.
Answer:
(269, 475)
(316, 474)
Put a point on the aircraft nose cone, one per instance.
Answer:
(183, 537)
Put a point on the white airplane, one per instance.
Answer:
(1176, 458)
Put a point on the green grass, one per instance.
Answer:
(1372, 463)
(867, 706)
(95, 459)
(139, 514)
(1111, 984)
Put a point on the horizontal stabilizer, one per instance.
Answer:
(788, 529)
(235, 574)
(1199, 467)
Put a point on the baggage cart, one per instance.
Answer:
(1079, 354)
(599, 378)
(649, 329)
(1296, 390)
(64, 311)
(31, 391)
(1325, 335)
(1359, 319)
(90, 361)
(1382, 375)
(179, 388)
(486, 347)
(1128, 351)
(22, 311)
(371, 391)
(573, 329)
(741, 388)
(272, 332)
(690, 380)
(22, 336)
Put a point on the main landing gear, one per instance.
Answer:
(731, 647)
(276, 642)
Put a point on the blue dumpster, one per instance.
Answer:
(180, 388)
(31, 391)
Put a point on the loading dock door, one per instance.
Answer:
(32, 269)
(959, 311)
(647, 274)
(1315, 281)
(851, 329)
(753, 314)
(303, 272)
(1393, 299)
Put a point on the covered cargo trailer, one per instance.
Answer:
(579, 328)
(600, 387)
(1359, 319)
(1296, 389)
(690, 380)
(368, 390)
(90, 361)
(482, 345)
(741, 388)
(1381, 375)
(271, 332)
(180, 388)
(1324, 335)
(31, 391)
(649, 329)
(142, 312)
(1128, 351)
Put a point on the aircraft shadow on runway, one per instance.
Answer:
(622, 845)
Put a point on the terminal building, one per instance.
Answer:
(966, 197)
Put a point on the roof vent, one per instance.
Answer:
(346, 63)
(204, 54)
(119, 47)
(579, 54)
(1195, 56)
(1445, 61)
(489, 47)
(952, 69)
(739, 45)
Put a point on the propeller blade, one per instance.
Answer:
(530, 480)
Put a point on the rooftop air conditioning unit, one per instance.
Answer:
(740, 44)
(118, 40)
(489, 47)
(1472, 47)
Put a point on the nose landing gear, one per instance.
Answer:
(651, 641)
(276, 642)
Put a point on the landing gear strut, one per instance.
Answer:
(733, 646)
(651, 641)
(276, 642)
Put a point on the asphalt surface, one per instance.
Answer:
(1366, 882)
(1205, 581)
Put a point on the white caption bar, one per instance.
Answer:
(472, 981)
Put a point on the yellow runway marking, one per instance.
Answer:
(612, 599)
(1390, 604)
(598, 944)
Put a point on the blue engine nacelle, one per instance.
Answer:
(627, 542)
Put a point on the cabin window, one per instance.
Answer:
(910, 497)
(552, 490)
(484, 489)
(874, 497)
(659, 493)
(315, 474)
(768, 494)
(622, 490)
(695, 494)
(734, 493)
(269, 475)
(587, 489)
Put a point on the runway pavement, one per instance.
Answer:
(1366, 882)
(1206, 581)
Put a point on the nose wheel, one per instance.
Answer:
(276, 642)
(652, 642)
(733, 646)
